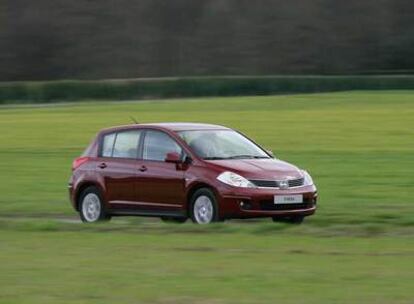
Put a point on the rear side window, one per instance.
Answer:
(108, 145)
(157, 144)
(121, 145)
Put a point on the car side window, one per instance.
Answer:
(157, 144)
(108, 145)
(126, 144)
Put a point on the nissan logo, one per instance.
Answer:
(284, 184)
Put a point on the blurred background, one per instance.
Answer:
(339, 85)
(46, 39)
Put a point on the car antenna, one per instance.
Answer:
(134, 120)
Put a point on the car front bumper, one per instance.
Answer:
(259, 202)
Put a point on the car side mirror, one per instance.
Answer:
(173, 157)
(188, 160)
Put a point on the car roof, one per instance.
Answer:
(172, 126)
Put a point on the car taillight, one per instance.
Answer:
(78, 162)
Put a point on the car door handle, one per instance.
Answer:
(102, 166)
(143, 169)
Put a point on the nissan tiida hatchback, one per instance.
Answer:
(185, 170)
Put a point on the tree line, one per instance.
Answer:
(95, 39)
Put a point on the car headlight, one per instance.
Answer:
(235, 180)
(308, 178)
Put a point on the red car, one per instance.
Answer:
(185, 170)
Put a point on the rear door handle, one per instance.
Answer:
(102, 166)
(143, 169)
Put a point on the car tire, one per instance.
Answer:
(170, 219)
(297, 220)
(204, 208)
(91, 207)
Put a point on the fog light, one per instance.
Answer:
(246, 205)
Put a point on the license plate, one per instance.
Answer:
(288, 199)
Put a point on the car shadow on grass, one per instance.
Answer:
(313, 227)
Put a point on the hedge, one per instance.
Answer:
(128, 89)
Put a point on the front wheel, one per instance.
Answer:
(91, 207)
(204, 207)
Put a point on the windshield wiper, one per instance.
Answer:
(235, 157)
(246, 156)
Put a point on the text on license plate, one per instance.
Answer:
(288, 199)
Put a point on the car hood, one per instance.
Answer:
(272, 169)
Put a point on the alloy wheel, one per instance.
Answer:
(91, 207)
(203, 210)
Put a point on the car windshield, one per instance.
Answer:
(221, 144)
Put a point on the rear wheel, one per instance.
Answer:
(290, 220)
(204, 207)
(91, 208)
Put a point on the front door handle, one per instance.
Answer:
(102, 166)
(143, 169)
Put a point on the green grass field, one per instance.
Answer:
(358, 248)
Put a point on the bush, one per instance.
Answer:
(127, 89)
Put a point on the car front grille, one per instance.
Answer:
(275, 184)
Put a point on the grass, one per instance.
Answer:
(357, 248)
(64, 263)
(358, 146)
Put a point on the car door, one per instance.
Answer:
(118, 166)
(160, 184)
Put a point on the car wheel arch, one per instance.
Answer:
(196, 186)
(82, 188)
